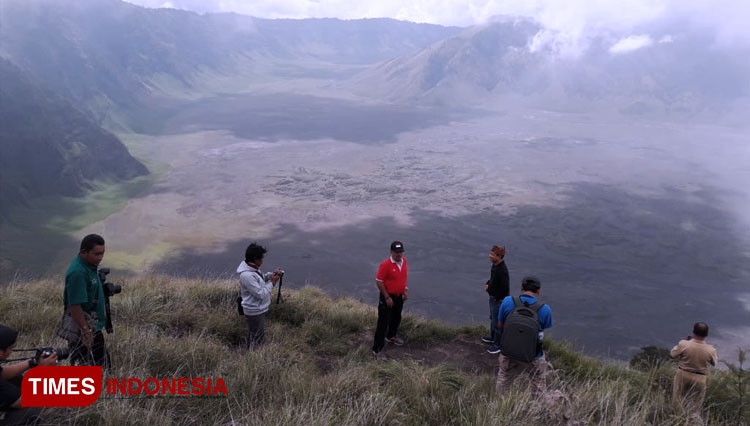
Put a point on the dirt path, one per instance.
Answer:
(465, 352)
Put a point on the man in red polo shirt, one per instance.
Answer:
(391, 281)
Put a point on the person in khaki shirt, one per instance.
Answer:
(694, 356)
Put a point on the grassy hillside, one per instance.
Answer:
(317, 369)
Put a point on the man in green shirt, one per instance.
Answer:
(84, 300)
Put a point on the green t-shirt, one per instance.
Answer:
(81, 287)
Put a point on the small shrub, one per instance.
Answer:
(650, 357)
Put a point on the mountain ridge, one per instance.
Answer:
(507, 61)
(112, 57)
(49, 148)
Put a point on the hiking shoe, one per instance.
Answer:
(494, 349)
(488, 339)
(395, 340)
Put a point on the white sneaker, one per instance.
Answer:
(395, 340)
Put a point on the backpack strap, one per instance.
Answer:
(257, 272)
(536, 306)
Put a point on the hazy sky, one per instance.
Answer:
(577, 19)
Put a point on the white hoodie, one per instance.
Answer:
(255, 289)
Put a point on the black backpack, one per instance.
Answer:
(240, 309)
(520, 339)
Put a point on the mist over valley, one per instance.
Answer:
(618, 177)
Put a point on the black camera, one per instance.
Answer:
(46, 352)
(40, 353)
(279, 272)
(110, 289)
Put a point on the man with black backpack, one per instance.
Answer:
(523, 320)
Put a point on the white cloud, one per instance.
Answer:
(666, 39)
(629, 44)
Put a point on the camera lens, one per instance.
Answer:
(62, 353)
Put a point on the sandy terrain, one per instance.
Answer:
(642, 221)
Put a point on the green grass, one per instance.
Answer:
(316, 367)
(64, 215)
(55, 220)
(72, 214)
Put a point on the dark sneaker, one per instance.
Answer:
(494, 349)
(488, 339)
(395, 340)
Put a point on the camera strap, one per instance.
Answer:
(101, 286)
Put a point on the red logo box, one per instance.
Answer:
(61, 386)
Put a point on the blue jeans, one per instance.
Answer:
(495, 333)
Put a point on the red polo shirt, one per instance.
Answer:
(393, 277)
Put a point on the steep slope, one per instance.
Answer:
(47, 147)
(461, 69)
(317, 368)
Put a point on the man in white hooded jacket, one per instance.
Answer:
(255, 290)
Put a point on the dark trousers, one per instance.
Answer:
(495, 332)
(256, 330)
(19, 416)
(97, 354)
(388, 320)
